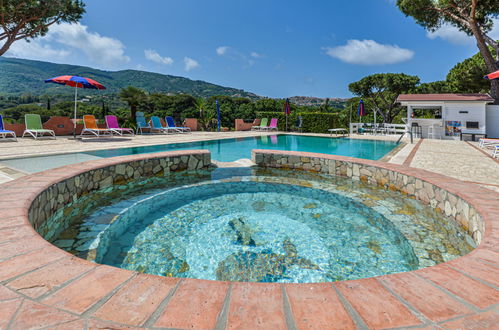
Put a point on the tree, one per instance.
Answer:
(134, 97)
(467, 76)
(473, 17)
(435, 87)
(27, 19)
(382, 90)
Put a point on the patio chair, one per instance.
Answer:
(90, 127)
(171, 124)
(263, 124)
(4, 133)
(272, 126)
(113, 126)
(485, 142)
(35, 128)
(141, 122)
(157, 126)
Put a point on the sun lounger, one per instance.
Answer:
(35, 128)
(171, 124)
(338, 131)
(113, 126)
(157, 126)
(272, 126)
(496, 152)
(90, 127)
(141, 122)
(4, 133)
(485, 142)
(263, 124)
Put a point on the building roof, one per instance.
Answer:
(445, 97)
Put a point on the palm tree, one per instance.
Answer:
(133, 96)
(205, 116)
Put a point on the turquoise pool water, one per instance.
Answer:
(225, 150)
(259, 225)
(228, 150)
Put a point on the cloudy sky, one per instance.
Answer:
(271, 48)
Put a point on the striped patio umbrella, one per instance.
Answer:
(361, 111)
(76, 82)
(492, 76)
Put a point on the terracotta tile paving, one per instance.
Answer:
(376, 305)
(462, 286)
(317, 306)
(35, 315)
(135, 302)
(26, 262)
(433, 303)
(80, 295)
(195, 305)
(73, 294)
(50, 277)
(7, 311)
(256, 306)
(487, 320)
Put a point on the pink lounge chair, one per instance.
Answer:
(272, 126)
(113, 126)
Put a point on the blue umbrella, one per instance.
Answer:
(218, 114)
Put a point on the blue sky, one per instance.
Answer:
(271, 48)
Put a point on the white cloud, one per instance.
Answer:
(451, 34)
(64, 40)
(369, 52)
(256, 55)
(222, 50)
(190, 64)
(153, 55)
(36, 50)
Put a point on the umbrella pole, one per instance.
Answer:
(76, 104)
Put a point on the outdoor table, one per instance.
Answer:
(473, 134)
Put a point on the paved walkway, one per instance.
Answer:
(459, 160)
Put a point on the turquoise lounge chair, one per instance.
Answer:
(157, 126)
(141, 122)
(4, 133)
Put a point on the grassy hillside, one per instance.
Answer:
(18, 76)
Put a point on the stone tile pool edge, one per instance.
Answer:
(45, 286)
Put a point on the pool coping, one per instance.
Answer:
(76, 293)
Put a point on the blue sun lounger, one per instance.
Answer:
(158, 126)
(4, 133)
(171, 124)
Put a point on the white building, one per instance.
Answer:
(451, 116)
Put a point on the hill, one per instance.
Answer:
(19, 76)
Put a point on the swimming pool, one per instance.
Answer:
(223, 150)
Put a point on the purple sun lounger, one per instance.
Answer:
(113, 126)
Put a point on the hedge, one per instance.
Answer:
(312, 122)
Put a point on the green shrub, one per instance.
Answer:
(313, 122)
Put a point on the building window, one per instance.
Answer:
(472, 124)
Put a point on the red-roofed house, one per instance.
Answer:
(449, 115)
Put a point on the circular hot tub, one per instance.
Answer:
(261, 225)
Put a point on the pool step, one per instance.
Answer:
(243, 162)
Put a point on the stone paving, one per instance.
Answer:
(42, 286)
(459, 160)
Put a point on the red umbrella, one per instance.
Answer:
(77, 82)
(492, 76)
